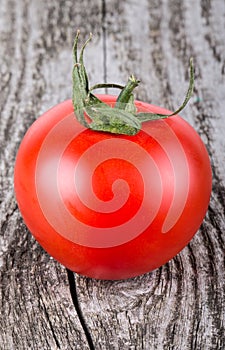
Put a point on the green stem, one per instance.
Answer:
(190, 90)
(126, 93)
(123, 118)
(106, 85)
(143, 117)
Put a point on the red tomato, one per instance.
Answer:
(112, 206)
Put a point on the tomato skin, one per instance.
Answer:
(112, 206)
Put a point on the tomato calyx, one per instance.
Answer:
(123, 118)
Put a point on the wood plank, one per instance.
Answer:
(178, 306)
(37, 311)
(181, 305)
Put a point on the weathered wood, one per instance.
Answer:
(180, 305)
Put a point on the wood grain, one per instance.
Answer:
(178, 306)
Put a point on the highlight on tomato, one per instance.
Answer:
(112, 187)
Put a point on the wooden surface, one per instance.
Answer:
(178, 306)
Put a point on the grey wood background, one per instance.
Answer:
(178, 306)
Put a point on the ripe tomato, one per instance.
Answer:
(112, 206)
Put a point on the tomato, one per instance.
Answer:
(112, 206)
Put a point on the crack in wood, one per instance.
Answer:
(104, 41)
(73, 292)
